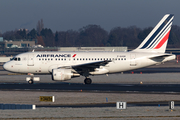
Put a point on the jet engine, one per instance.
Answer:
(63, 74)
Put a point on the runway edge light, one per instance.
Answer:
(33, 107)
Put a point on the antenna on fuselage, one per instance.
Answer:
(33, 50)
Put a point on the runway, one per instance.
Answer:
(75, 100)
(163, 88)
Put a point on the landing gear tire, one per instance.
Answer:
(30, 81)
(88, 81)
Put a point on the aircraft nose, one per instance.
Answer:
(6, 66)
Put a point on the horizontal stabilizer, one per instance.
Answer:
(160, 57)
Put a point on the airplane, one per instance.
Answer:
(66, 65)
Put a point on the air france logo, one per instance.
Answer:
(74, 55)
(55, 55)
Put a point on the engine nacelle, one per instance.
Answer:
(63, 74)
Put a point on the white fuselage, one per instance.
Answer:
(44, 62)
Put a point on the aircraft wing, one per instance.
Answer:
(90, 66)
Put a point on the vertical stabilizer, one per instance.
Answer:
(157, 39)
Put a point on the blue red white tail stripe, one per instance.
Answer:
(157, 38)
(163, 41)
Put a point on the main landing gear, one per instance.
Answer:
(87, 81)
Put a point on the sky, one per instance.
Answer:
(63, 15)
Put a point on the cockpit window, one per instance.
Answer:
(16, 59)
(11, 59)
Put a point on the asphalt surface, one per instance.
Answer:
(156, 70)
(94, 87)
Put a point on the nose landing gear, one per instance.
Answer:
(31, 79)
(87, 81)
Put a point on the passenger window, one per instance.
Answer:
(19, 59)
(15, 59)
(124, 58)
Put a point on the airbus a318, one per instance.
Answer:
(66, 65)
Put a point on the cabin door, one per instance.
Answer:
(133, 60)
(30, 60)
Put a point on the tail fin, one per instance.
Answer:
(157, 39)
